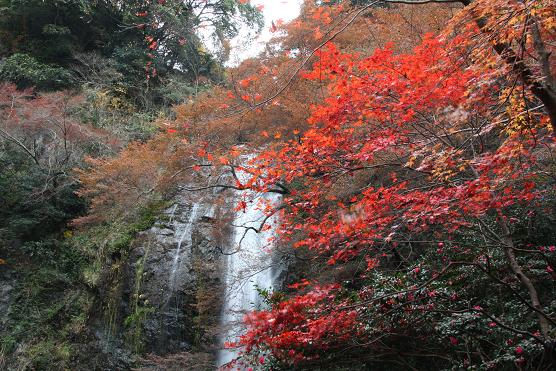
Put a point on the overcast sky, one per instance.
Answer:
(273, 10)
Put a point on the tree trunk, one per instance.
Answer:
(544, 325)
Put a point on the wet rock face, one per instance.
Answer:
(171, 270)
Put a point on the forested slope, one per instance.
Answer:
(411, 144)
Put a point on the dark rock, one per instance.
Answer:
(168, 301)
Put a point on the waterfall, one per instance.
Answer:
(171, 307)
(249, 267)
(183, 233)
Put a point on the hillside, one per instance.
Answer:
(375, 190)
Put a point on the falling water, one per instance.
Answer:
(183, 233)
(171, 306)
(249, 269)
(172, 213)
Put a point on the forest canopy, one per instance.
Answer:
(411, 143)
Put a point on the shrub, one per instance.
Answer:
(25, 71)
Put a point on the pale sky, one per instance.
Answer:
(273, 10)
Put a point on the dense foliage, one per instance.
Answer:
(419, 195)
(427, 179)
(413, 146)
(152, 45)
(41, 144)
(79, 80)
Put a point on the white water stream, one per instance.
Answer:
(249, 268)
(183, 232)
(184, 235)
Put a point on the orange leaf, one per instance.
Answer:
(245, 83)
(241, 205)
(235, 152)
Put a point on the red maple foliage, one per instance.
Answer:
(448, 137)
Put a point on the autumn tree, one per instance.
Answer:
(41, 143)
(417, 177)
(427, 179)
(117, 186)
(263, 99)
(153, 53)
